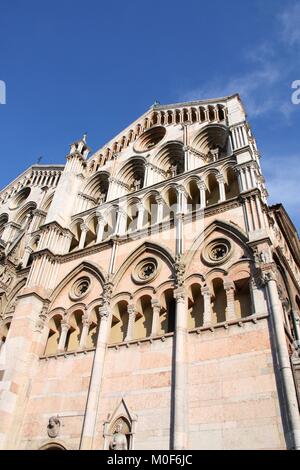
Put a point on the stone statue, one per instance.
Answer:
(137, 184)
(101, 199)
(173, 170)
(53, 427)
(119, 441)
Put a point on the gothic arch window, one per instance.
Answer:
(3, 221)
(195, 307)
(111, 223)
(91, 236)
(150, 213)
(143, 319)
(94, 324)
(193, 200)
(170, 205)
(119, 323)
(167, 316)
(231, 184)
(76, 231)
(212, 191)
(132, 217)
(53, 335)
(219, 301)
(242, 298)
(75, 331)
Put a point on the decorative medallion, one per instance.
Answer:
(80, 288)
(145, 271)
(217, 252)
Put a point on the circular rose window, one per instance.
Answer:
(217, 252)
(149, 139)
(145, 271)
(80, 288)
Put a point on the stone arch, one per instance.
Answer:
(121, 413)
(132, 172)
(87, 267)
(230, 230)
(20, 217)
(149, 248)
(212, 140)
(169, 155)
(97, 186)
(53, 445)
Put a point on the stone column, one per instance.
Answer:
(207, 317)
(90, 419)
(179, 233)
(230, 310)
(141, 212)
(85, 331)
(202, 189)
(155, 317)
(84, 230)
(100, 229)
(131, 320)
(63, 336)
(220, 179)
(180, 376)
(121, 222)
(284, 365)
(160, 208)
(26, 256)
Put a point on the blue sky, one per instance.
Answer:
(72, 66)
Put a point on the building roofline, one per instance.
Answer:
(194, 103)
(162, 107)
(30, 168)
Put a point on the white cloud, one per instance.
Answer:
(283, 178)
(290, 21)
(269, 67)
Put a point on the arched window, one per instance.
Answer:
(212, 191)
(219, 301)
(170, 206)
(53, 335)
(168, 312)
(143, 319)
(150, 213)
(242, 298)
(91, 341)
(119, 322)
(193, 200)
(75, 331)
(231, 184)
(195, 307)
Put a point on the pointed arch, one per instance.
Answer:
(90, 267)
(148, 247)
(232, 231)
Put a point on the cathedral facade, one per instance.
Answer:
(150, 296)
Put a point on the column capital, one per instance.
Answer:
(104, 311)
(205, 291)
(229, 286)
(180, 295)
(65, 326)
(131, 310)
(84, 228)
(155, 304)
